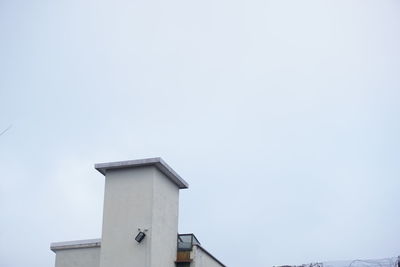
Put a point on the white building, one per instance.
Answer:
(140, 222)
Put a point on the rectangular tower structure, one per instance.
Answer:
(140, 196)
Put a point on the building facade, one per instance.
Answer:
(140, 222)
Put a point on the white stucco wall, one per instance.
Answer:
(135, 198)
(127, 207)
(82, 257)
(164, 222)
(203, 259)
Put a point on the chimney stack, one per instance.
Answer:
(141, 197)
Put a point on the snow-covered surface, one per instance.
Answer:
(386, 262)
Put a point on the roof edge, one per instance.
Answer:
(87, 243)
(209, 254)
(158, 162)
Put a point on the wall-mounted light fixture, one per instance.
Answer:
(140, 236)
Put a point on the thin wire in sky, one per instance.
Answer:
(4, 131)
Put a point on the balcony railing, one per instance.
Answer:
(186, 242)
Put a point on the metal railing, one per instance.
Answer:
(186, 242)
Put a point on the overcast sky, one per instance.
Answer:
(283, 116)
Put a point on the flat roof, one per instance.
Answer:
(159, 163)
(88, 243)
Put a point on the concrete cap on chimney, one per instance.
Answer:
(159, 163)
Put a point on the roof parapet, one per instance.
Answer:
(88, 243)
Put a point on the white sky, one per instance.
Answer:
(283, 116)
